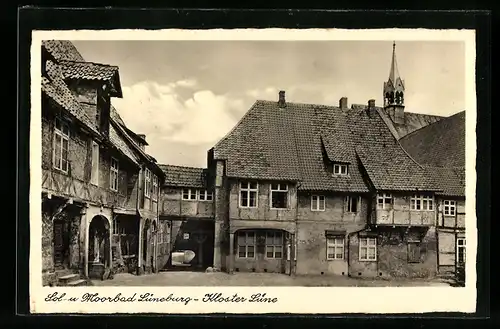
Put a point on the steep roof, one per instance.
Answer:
(411, 122)
(71, 64)
(292, 143)
(92, 71)
(451, 181)
(441, 144)
(180, 176)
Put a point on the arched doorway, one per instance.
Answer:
(99, 246)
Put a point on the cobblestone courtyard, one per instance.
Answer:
(254, 279)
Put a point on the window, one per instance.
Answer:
(384, 201)
(352, 203)
(334, 247)
(367, 249)
(147, 183)
(205, 195)
(274, 245)
(113, 181)
(279, 196)
(450, 207)
(155, 188)
(421, 202)
(188, 194)
(461, 250)
(248, 194)
(317, 202)
(61, 144)
(413, 251)
(340, 169)
(246, 244)
(94, 174)
(116, 226)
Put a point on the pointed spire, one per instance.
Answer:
(394, 73)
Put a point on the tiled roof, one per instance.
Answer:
(121, 145)
(180, 176)
(450, 180)
(412, 122)
(286, 144)
(441, 144)
(57, 90)
(62, 50)
(87, 70)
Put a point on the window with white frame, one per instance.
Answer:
(334, 247)
(352, 203)
(94, 174)
(189, 194)
(461, 250)
(421, 202)
(155, 188)
(205, 195)
(450, 208)
(340, 169)
(248, 194)
(368, 248)
(274, 245)
(384, 201)
(113, 177)
(61, 145)
(317, 202)
(279, 196)
(147, 183)
(246, 244)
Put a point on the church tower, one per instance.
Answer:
(394, 91)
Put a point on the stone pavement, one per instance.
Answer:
(184, 278)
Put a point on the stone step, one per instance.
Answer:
(79, 282)
(69, 277)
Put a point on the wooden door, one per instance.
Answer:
(61, 244)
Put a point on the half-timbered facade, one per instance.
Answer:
(99, 213)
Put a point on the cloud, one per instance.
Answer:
(159, 112)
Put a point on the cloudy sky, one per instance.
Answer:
(186, 95)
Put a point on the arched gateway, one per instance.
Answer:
(99, 251)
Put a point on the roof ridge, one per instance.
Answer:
(178, 166)
(431, 125)
(87, 62)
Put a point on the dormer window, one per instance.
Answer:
(340, 169)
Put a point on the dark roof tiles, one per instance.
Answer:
(286, 144)
(180, 176)
(87, 70)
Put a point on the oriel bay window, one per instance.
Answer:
(248, 194)
(422, 202)
(61, 145)
(368, 248)
(279, 196)
(274, 244)
(246, 244)
(317, 202)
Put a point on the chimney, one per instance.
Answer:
(143, 136)
(343, 103)
(371, 103)
(281, 101)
